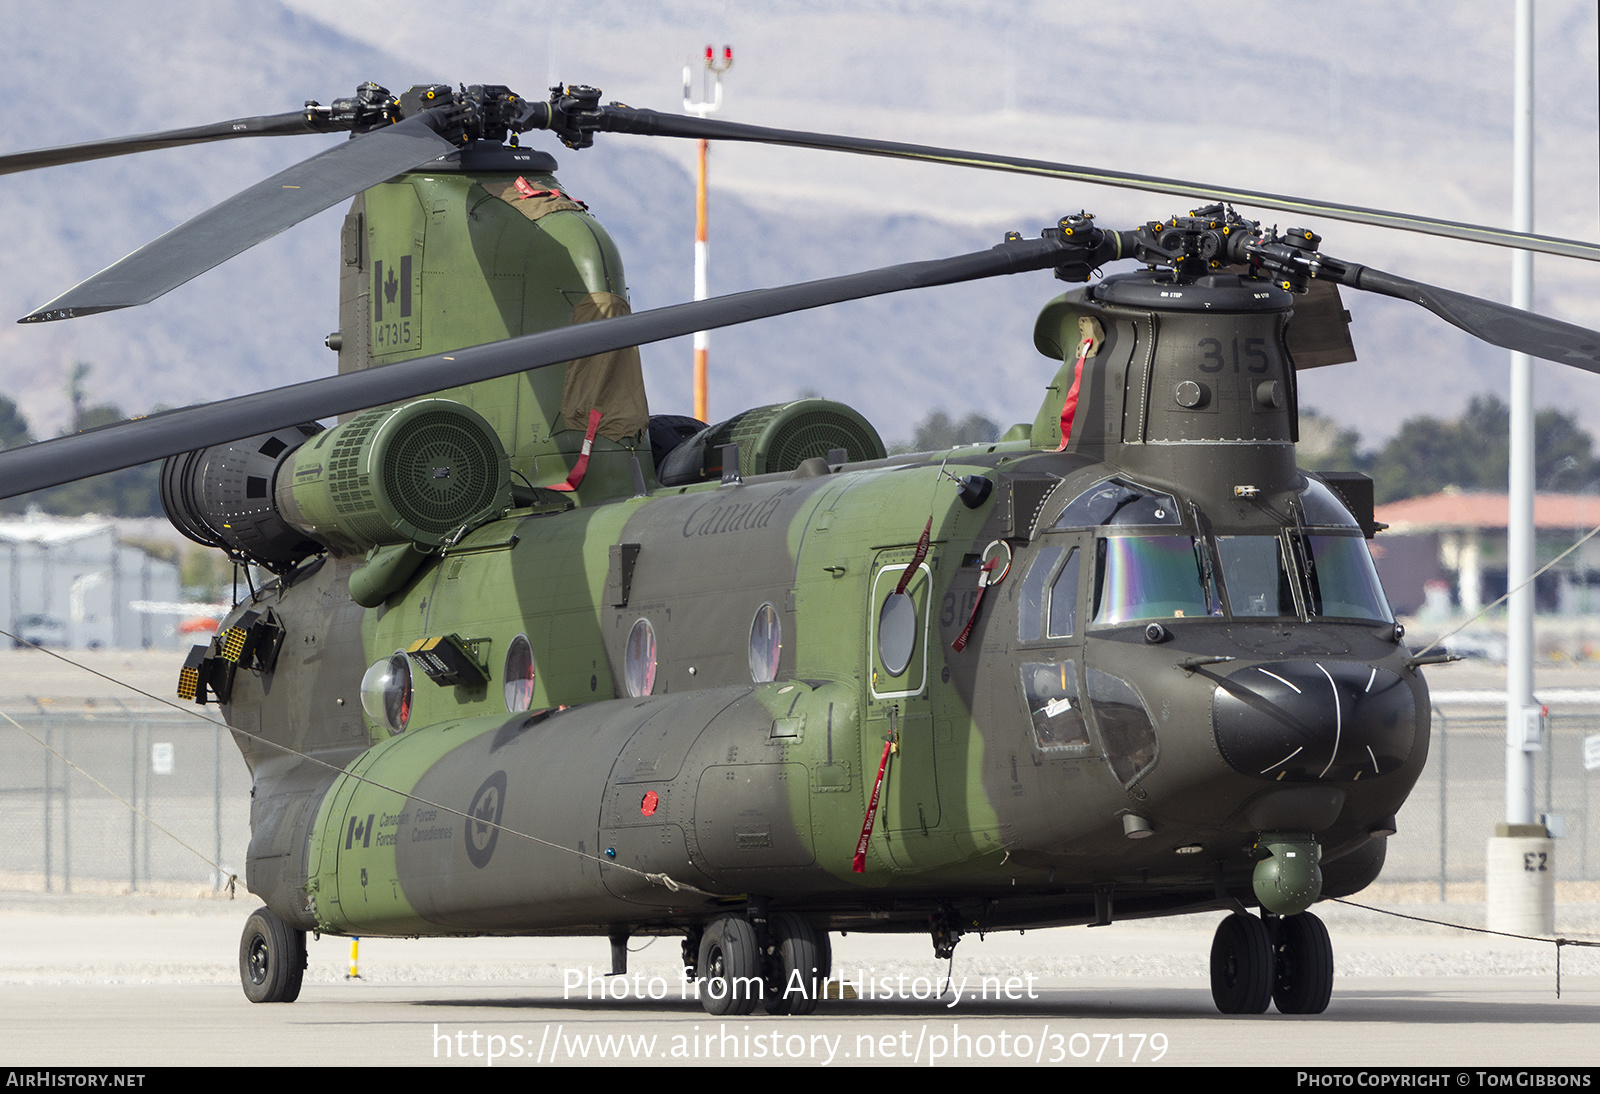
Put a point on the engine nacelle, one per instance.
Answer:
(222, 497)
(414, 473)
(773, 438)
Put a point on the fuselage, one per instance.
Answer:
(715, 677)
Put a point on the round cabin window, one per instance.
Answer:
(766, 644)
(386, 692)
(519, 675)
(897, 632)
(640, 664)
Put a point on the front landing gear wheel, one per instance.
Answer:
(798, 966)
(730, 967)
(1303, 959)
(1241, 965)
(272, 959)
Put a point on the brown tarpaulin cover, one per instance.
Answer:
(612, 382)
(541, 203)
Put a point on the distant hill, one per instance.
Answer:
(1395, 108)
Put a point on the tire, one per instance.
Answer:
(1302, 981)
(1241, 965)
(798, 967)
(272, 959)
(729, 973)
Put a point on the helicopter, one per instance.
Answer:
(533, 661)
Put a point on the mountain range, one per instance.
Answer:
(1363, 102)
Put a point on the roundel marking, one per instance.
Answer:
(483, 819)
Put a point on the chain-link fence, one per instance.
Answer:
(1446, 823)
(182, 773)
(185, 774)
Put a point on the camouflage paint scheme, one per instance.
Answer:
(741, 788)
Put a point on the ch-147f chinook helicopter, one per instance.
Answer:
(536, 663)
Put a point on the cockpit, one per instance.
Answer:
(1120, 553)
(1149, 563)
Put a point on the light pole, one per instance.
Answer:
(1520, 859)
(708, 101)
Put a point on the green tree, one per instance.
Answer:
(937, 432)
(13, 425)
(1325, 445)
(1474, 453)
(14, 431)
(133, 492)
(1424, 457)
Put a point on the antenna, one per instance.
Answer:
(708, 101)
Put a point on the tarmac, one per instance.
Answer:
(118, 980)
(130, 981)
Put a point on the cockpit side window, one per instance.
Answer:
(1343, 582)
(1051, 691)
(1063, 621)
(1030, 606)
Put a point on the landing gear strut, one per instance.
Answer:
(1287, 961)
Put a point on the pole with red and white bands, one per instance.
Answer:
(709, 101)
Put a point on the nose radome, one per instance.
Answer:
(1309, 721)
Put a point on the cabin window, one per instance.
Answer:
(1152, 577)
(1051, 689)
(640, 659)
(1126, 733)
(386, 692)
(519, 675)
(766, 644)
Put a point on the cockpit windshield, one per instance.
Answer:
(1316, 565)
(1262, 576)
(1254, 573)
(1153, 577)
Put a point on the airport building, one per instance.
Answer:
(72, 583)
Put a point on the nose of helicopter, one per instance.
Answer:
(1314, 721)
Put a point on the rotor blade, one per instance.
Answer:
(270, 125)
(1498, 324)
(251, 216)
(624, 119)
(125, 444)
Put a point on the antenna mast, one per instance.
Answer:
(709, 101)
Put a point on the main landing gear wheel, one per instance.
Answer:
(798, 965)
(1241, 965)
(730, 966)
(1303, 960)
(272, 959)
